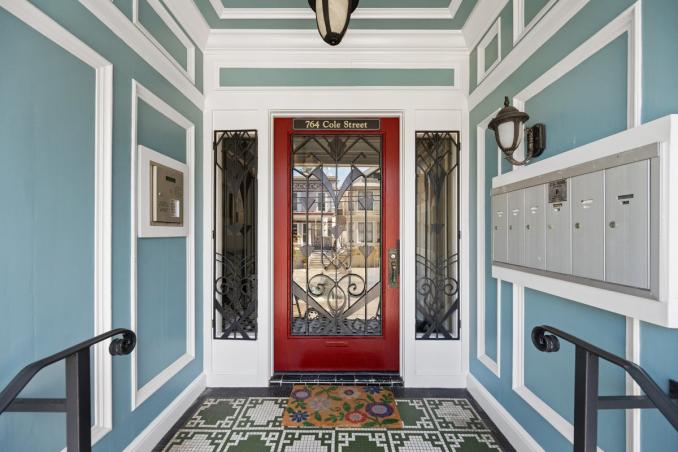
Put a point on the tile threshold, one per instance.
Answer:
(342, 379)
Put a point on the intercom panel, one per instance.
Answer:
(162, 195)
(167, 195)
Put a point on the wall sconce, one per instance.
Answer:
(508, 131)
(332, 17)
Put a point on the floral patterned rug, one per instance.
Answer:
(341, 406)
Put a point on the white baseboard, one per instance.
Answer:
(151, 435)
(435, 381)
(217, 380)
(512, 430)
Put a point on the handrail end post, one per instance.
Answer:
(78, 402)
(586, 371)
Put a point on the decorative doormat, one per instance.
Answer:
(341, 406)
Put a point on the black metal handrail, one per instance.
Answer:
(587, 402)
(76, 404)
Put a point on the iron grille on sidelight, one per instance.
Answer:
(235, 234)
(336, 232)
(437, 235)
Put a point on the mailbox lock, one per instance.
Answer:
(527, 226)
(577, 225)
(550, 226)
(613, 224)
(510, 227)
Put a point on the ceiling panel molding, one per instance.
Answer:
(361, 13)
(451, 41)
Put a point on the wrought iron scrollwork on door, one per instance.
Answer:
(437, 235)
(336, 230)
(235, 235)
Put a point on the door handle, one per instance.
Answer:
(394, 266)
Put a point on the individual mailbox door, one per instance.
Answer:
(516, 227)
(499, 227)
(535, 230)
(588, 233)
(558, 230)
(627, 224)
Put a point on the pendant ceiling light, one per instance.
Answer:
(332, 17)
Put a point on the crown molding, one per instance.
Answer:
(361, 13)
(451, 41)
(481, 19)
(190, 17)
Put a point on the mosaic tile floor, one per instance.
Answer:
(248, 423)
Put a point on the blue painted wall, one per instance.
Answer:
(335, 77)
(47, 228)
(586, 104)
(46, 240)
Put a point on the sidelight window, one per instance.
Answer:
(235, 231)
(437, 235)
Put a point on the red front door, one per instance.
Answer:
(336, 217)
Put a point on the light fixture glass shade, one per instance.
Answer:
(506, 132)
(508, 128)
(332, 17)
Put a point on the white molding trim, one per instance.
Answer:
(493, 365)
(514, 432)
(176, 30)
(367, 49)
(139, 92)
(145, 229)
(306, 41)
(518, 383)
(113, 18)
(481, 19)
(190, 17)
(224, 12)
(156, 430)
(624, 23)
(553, 21)
(520, 30)
(494, 31)
(102, 391)
(254, 109)
(633, 425)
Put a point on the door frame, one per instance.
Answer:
(417, 109)
(390, 296)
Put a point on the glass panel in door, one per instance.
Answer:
(336, 235)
